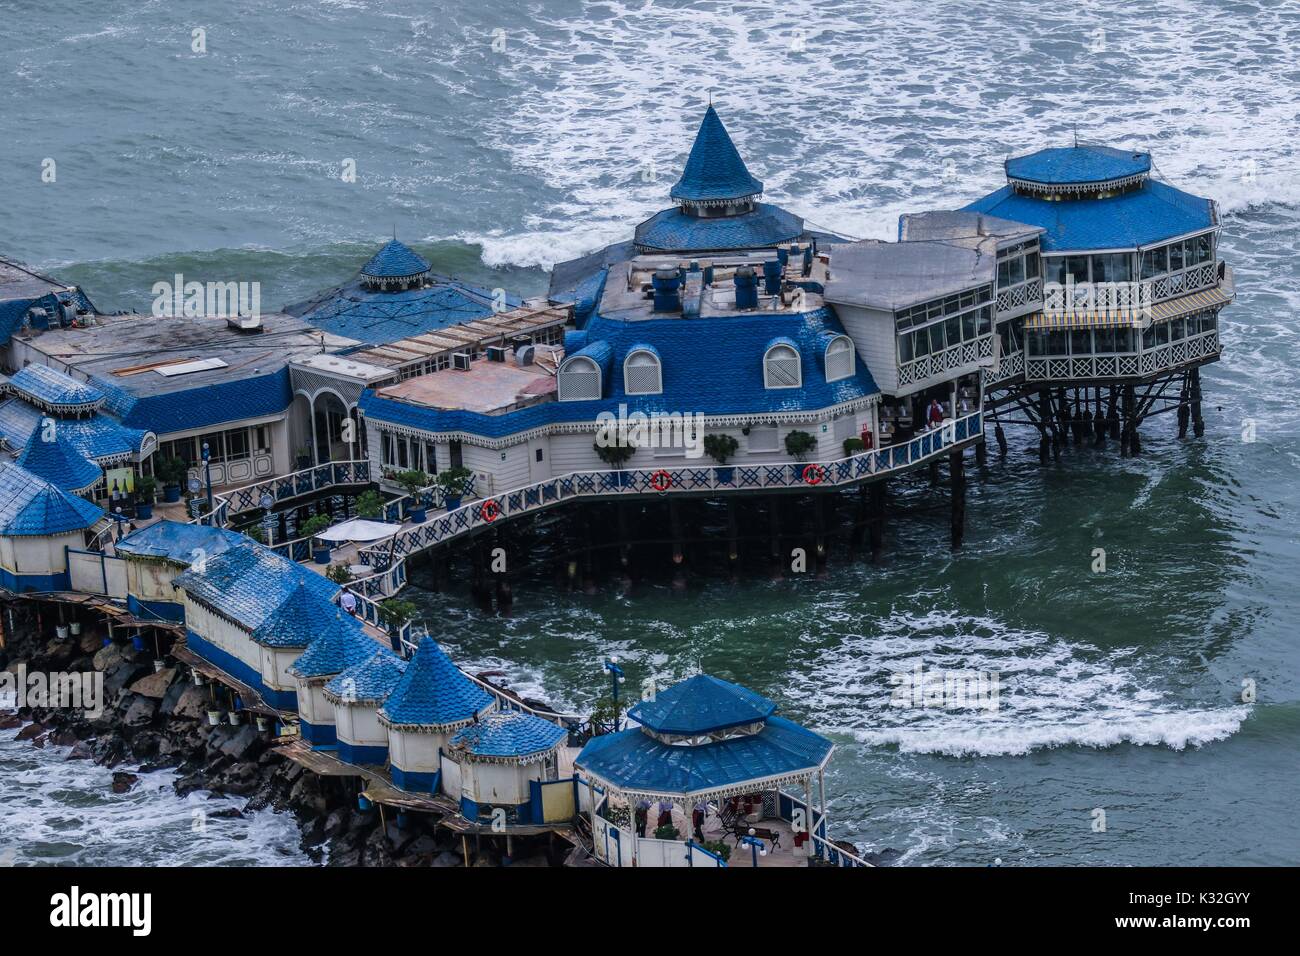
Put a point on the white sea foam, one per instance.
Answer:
(852, 119)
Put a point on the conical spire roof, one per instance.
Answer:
(297, 621)
(57, 461)
(32, 506)
(433, 693)
(714, 170)
(340, 642)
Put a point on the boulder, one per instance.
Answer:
(109, 656)
(88, 642)
(193, 703)
(122, 781)
(82, 751)
(140, 712)
(30, 732)
(174, 693)
(242, 744)
(446, 858)
(155, 685)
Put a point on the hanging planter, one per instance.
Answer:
(158, 666)
(263, 724)
(75, 627)
(61, 631)
(137, 642)
(198, 678)
(214, 717)
(363, 802)
(236, 718)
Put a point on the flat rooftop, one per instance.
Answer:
(485, 387)
(344, 366)
(19, 282)
(523, 322)
(145, 355)
(894, 275)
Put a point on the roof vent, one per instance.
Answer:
(524, 356)
(460, 360)
(497, 353)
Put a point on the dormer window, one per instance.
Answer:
(781, 367)
(839, 358)
(642, 373)
(578, 379)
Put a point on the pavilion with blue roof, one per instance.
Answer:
(156, 554)
(357, 693)
(252, 613)
(39, 522)
(340, 642)
(433, 700)
(396, 296)
(700, 742)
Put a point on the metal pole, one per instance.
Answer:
(207, 473)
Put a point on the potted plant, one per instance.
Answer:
(370, 504)
(171, 471)
(720, 448)
(302, 458)
(853, 446)
(717, 848)
(396, 613)
(339, 573)
(145, 489)
(666, 832)
(414, 482)
(214, 717)
(320, 552)
(74, 628)
(616, 456)
(798, 445)
(454, 482)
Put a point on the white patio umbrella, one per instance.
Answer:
(359, 529)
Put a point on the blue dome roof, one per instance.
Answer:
(1078, 164)
(675, 230)
(701, 704)
(32, 506)
(714, 170)
(433, 693)
(299, 619)
(58, 462)
(509, 734)
(395, 261)
(340, 642)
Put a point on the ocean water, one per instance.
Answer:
(500, 137)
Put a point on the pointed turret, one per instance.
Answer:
(50, 456)
(714, 173)
(433, 695)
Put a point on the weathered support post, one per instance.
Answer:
(733, 545)
(1112, 416)
(1001, 437)
(877, 508)
(774, 534)
(588, 571)
(981, 454)
(819, 533)
(1184, 405)
(675, 521)
(1044, 417)
(957, 471)
(1099, 423)
(859, 522)
(1198, 423)
(934, 473)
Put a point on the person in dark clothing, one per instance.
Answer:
(642, 813)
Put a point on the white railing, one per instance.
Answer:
(942, 363)
(1123, 364)
(1027, 293)
(299, 483)
(1009, 366)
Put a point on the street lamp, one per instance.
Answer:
(615, 678)
(754, 844)
(207, 474)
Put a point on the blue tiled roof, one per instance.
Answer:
(303, 616)
(395, 261)
(714, 169)
(1078, 164)
(202, 406)
(600, 352)
(52, 388)
(633, 760)
(250, 581)
(339, 643)
(433, 692)
(376, 317)
(97, 437)
(58, 462)
(710, 365)
(179, 541)
(370, 681)
(30, 506)
(674, 230)
(1137, 217)
(509, 733)
(700, 704)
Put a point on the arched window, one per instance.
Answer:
(642, 374)
(578, 379)
(839, 358)
(781, 368)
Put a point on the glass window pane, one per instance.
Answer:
(1099, 271)
(1018, 269)
(1175, 256)
(1081, 342)
(936, 337)
(1031, 265)
(986, 320)
(922, 344)
(1149, 337)
(968, 326)
(953, 326)
(1203, 248)
(905, 353)
(1118, 267)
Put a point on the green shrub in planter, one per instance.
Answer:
(412, 481)
(616, 456)
(718, 848)
(798, 445)
(720, 447)
(338, 573)
(370, 504)
(666, 832)
(146, 487)
(853, 446)
(455, 482)
(314, 526)
(397, 613)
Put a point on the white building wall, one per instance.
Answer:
(312, 705)
(274, 664)
(24, 554)
(223, 634)
(415, 752)
(359, 724)
(498, 783)
(875, 340)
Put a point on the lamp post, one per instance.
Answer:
(615, 678)
(207, 473)
(754, 844)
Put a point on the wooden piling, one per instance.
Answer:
(957, 472)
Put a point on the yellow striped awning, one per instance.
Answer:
(1043, 321)
(1184, 304)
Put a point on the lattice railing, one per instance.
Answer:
(1015, 297)
(1121, 365)
(297, 484)
(953, 357)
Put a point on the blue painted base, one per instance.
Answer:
(356, 753)
(19, 583)
(156, 610)
(414, 782)
(318, 735)
(279, 699)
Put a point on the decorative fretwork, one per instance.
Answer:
(1147, 362)
(1015, 297)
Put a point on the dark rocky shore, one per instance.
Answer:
(153, 720)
